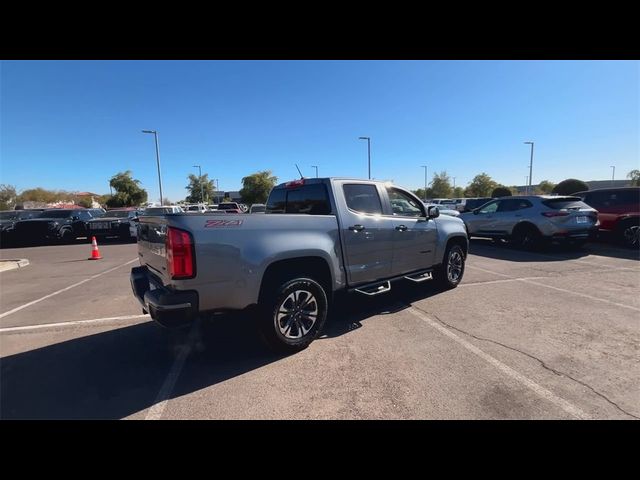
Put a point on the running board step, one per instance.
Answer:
(420, 276)
(375, 288)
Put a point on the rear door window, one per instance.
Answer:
(363, 198)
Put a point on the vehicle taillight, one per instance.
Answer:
(180, 260)
(555, 214)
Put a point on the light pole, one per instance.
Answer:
(526, 185)
(454, 183)
(530, 166)
(200, 180)
(425, 182)
(613, 175)
(217, 189)
(368, 139)
(155, 134)
(316, 167)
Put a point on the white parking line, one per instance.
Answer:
(568, 407)
(583, 295)
(160, 403)
(17, 309)
(76, 322)
(498, 281)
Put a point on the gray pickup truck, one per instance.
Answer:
(317, 237)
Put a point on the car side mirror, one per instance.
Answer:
(75, 218)
(475, 211)
(433, 212)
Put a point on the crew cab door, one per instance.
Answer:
(414, 236)
(366, 234)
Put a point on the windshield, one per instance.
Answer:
(8, 215)
(56, 214)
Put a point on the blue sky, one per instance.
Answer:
(73, 124)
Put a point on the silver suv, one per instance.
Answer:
(529, 220)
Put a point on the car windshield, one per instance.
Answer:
(117, 214)
(56, 214)
(9, 215)
(565, 203)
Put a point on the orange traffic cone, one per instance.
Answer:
(95, 253)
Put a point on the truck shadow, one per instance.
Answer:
(119, 372)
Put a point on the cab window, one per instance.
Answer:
(403, 205)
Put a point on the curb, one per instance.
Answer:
(12, 264)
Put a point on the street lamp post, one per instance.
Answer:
(217, 190)
(368, 139)
(425, 182)
(200, 179)
(316, 167)
(155, 134)
(613, 175)
(454, 183)
(530, 166)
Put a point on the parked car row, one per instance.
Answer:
(530, 221)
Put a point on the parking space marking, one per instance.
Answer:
(21, 307)
(75, 322)
(160, 403)
(568, 407)
(584, 295)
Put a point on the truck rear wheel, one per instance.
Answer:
(293, 316)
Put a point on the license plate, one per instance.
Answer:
(582, 219)
(99, 226)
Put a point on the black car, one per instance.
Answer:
(114, 223)
(8, 220)
(60, 225)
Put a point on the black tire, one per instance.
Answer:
(288, 333)
(67, 236)
(527, 237)
(450, 273)
(629, 233)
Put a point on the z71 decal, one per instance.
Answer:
(222, 223)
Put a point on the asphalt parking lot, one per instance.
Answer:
(527, 335)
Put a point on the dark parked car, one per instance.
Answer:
(618, 212)
(61, 225)
(114, 223)
(8, 220)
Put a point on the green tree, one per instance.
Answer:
(127, 191)
(196, 193)
(420, 193)
(8, 197)
(441, 185)
(634, 175)
(501, 191)
(569, 187)
(458, 192)
(256, 187)
(546, 187)
(481, 186)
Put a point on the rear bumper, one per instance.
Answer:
(170, 308)
(576, 235)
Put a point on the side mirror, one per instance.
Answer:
(475, 211)
(75, 218)
(433, 212)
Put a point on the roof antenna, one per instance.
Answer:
(301, 176)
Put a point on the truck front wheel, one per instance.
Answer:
(293, 316)
(449, 274)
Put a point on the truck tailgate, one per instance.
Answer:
(152, 253)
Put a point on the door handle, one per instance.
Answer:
(356, 228)
(401, 228)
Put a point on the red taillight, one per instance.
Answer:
(555, 214)
(180, 254)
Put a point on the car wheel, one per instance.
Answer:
(629, 233)
(527, 237)
(292, 318)
(449, 274)
(67, 236)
